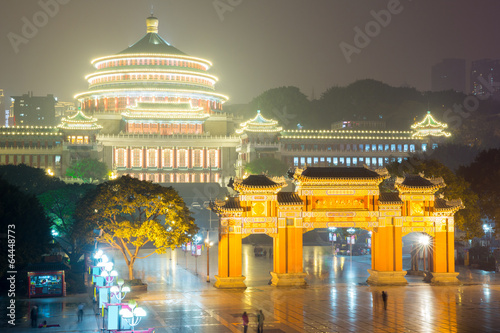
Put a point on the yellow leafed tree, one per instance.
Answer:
(132, 213)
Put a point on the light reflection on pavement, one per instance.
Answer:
(336, 298)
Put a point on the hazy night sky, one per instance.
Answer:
(257, 46)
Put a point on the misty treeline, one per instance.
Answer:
(472, 122)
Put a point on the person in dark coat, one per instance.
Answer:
(34, 316)
(384, 298)
(245, 322)
(260, 322)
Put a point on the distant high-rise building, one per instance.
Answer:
(10, 120)
(2, 107)
(34, 110)
(449, 74)
(65, 109)
(485, 77)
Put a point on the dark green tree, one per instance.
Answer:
(484, 176)
(132, 213)
(30, 180)
(23, 214)
(468, 219)
(73, 234)
(287, 105)
(89, 170)
(454, 155)
(267, 165)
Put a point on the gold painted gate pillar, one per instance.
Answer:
(443, 254)
(387, 255)
(288, 260)
(230, 259)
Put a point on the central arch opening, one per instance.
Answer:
(257, 259)
(330, 256)
(337, 255)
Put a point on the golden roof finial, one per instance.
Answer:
(152, 23)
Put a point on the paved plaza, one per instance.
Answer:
(337, 299)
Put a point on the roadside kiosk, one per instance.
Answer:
(47, 279)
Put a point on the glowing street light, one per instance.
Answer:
(119, 291)
(98, 255)
(105, 264)
(109, 274)
(487, 228)
(425, 241)
(134, 315)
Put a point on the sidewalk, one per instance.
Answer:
(56, 310)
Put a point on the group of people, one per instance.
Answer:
(246, 321)
(260, 321)
(34, 317)
(261, 317)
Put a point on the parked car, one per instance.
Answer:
(195, 205)
(206, 204)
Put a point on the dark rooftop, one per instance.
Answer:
(339, 172)
(258, 180)
(417, 181)
(152, 43)
(289, 198)
(445, 204)
(391, 197)
(232, 203)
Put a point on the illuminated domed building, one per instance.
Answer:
(162, 119)
(153, 71)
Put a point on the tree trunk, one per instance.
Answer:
(130, 265)
(73, 259)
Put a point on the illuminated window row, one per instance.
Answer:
(345, 161)
(355, 147)
(150, 62)
(151, 77)
(163, 129)
(32, 144)
(159, 158)
(35, 161)
(79, 140)
(119, 104)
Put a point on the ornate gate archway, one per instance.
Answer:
(336, 197)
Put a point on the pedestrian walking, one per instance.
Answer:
(80, 312)
(260, 322)
(245, 322)
(384, 298)
(34, 316)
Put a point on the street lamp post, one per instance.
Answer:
(332, 230)
(351, 232)
(196, 241)
(208, 245)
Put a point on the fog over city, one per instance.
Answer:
(254, 45)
